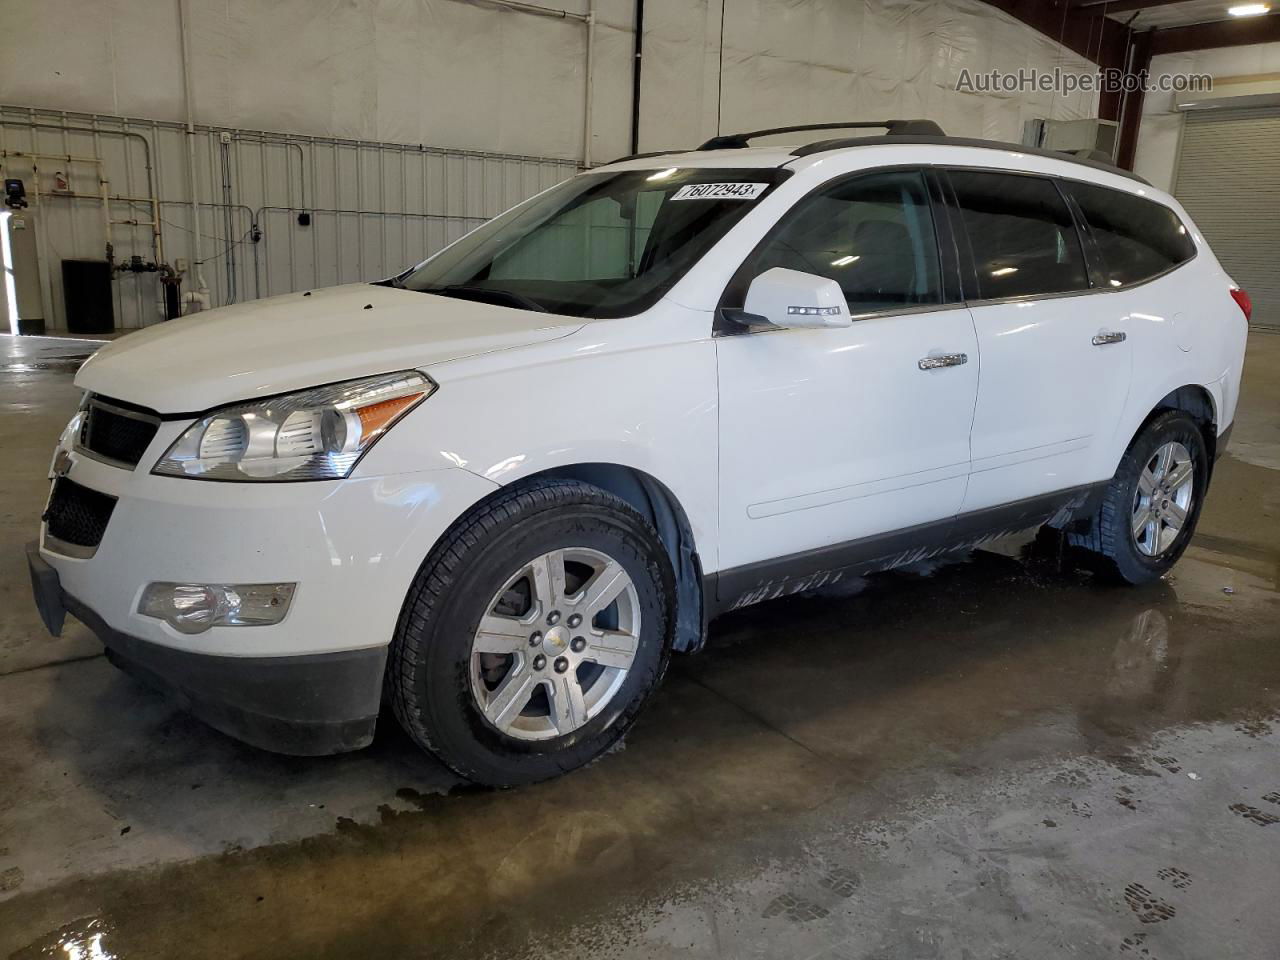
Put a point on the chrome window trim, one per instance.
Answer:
(1035, 297)
(970, 304)
(853, 317)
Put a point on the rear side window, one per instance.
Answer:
(872, 234)
(1023, 238)
(1138, 238)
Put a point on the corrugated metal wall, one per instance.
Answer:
(374, 207)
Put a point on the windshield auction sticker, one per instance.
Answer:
(719, 191)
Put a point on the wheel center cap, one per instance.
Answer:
(556, 641)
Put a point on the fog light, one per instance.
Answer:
(195, 607)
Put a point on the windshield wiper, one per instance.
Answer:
(487, 294)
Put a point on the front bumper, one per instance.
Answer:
(352, 547)
(301, 705)
(310, 684)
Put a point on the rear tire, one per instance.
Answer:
(1150, 509)
(512, 660)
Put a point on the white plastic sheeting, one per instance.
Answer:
(361, 83)
(795, 61)
(442, 72)
(463, 74)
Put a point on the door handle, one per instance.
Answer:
(946, 360)
(1102, 339)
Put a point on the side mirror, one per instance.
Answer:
(789, 298)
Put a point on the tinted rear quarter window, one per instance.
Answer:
(1022, 234)
(1138, 238)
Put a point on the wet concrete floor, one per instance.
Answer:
(991, 758)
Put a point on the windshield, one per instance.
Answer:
(598, 245)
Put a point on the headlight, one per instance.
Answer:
(315, 434)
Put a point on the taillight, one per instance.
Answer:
(1243, 302)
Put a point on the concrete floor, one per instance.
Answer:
(995, 758)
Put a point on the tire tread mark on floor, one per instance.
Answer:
(52, 663)
(753, 715)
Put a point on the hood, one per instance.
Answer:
(304, 340)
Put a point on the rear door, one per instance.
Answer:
(835, 435)
(1055, 358)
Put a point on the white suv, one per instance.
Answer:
(497, 490)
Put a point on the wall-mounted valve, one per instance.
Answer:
(15, 194)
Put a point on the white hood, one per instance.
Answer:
(304, 340)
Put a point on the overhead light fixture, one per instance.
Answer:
(1249, 9)
(845, 261)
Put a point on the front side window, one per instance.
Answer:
(598, 245)
(1138, 238)
(1023, 238)
(872, 234)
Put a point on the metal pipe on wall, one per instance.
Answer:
(228, 228)
(201, 294)
(283, 142)
(590, 91)
(533, 8)
(635, 77)
(425, 202)
(67, 128)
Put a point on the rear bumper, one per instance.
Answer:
(306, 705)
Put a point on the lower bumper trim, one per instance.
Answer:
(309, 705)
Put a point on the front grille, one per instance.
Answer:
(116, 433)
(76, 514)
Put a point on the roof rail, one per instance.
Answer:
(1088, 153)
(1083, 158)
(643, 156)
(895, 128)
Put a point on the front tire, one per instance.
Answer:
(1150, 509)
(533, 633)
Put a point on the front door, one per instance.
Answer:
(835, 435)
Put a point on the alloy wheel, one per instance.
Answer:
(1163, 498)
(555, 644)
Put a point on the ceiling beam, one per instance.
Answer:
(1131, 104)
(1224, 33)
(1119, 6)
(1086, 32)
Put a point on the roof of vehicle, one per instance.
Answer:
(730, 150)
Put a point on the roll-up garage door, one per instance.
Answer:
(1229, 181)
